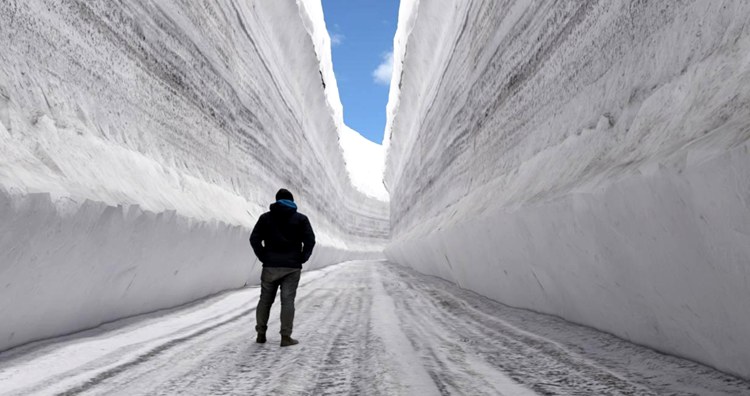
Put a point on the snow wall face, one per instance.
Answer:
(140, 141)
(584, 159)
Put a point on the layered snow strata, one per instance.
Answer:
(585, 159)
(139, 141)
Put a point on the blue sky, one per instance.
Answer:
(361, 38)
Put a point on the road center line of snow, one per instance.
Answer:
(397, 346)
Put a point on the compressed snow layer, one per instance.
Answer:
(188, 111)
(407, 16)
(583, 159)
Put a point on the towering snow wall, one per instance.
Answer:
(140, 140)
(587, 159)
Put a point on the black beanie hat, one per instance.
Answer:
(284, 194)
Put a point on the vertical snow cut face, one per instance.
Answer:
(585, 159)
(365, 160)
(139, 141)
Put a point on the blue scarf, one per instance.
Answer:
(287, 203)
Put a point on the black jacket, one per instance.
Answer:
(282, 237)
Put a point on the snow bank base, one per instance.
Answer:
(660, 258)
(69, 266)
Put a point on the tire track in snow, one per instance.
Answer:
(330, 320)
(453, 368)
(541, 364)
(338, 361)
(113, 349)
(237, 365)
(148, 356)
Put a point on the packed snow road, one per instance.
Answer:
(365, 328)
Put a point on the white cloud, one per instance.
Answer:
(337, 39)
(382, 75)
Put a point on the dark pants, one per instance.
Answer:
(270, 280)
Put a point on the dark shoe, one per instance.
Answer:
(288, 341)
(261, 338)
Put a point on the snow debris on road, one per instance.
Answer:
(367, 327)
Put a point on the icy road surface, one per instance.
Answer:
(365, 328)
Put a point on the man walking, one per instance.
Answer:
(283, 240)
